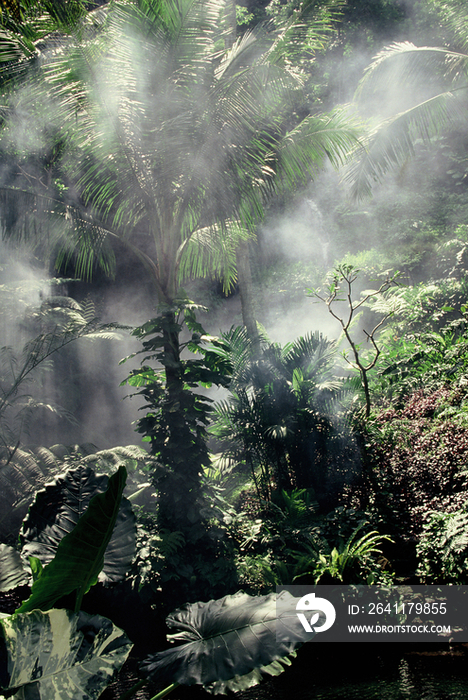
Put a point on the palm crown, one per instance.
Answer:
(173, 144)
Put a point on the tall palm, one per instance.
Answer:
(175, 146)
(171, 146)
(432, 85)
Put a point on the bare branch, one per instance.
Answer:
(347, 275)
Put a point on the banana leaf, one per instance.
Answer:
(56, 511)
(80, 554)
(229, 642)
(12, 573)
(59, 655)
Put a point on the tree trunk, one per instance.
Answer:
(244, 272)
(181, 446)
(231, 21)
(244, 275)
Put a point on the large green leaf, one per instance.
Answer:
(56, 511)
(23, 472)
(80, 554)
(20, 476)
(12, 573)
(228, 639)
(61, 655)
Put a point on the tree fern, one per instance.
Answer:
(21, 475)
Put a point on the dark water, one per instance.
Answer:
(360, 672)
(354, 672)
(365, 672)
(339, 672)
(413, 681)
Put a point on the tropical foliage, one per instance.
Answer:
(150, 142)
(177, 167)
(350, 560)
(45, 330)
(96, 648)
(279, 417)
(216, 629)
(177, 437)
(442, 548)
(61, 653)
(433, 99)
(43, 529)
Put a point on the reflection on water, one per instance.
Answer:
(414, 682)
(368, 672)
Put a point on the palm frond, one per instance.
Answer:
(239, 56)
(427, 113)
(168, 140)
(317, 138)
(404, 64)
(391, 143)
(238, 348)
(13, 47)
(212, 251)
(306, 32)
(313, 353)
(454, 17)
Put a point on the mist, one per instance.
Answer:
(300, 239)
(175, 170)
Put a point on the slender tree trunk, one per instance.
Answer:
(172, 364)
(244, 273)
(231, 21)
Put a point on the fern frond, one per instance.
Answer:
(170, 542)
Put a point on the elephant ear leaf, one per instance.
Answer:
(80, 554)
(20, 477)
(59, 655)
(56, 511)
(229, 641)
(12, 573)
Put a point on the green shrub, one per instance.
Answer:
(354, 560)
(282, 417)
(416, 454)
(443, 548)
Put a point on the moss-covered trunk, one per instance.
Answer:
(181, 447)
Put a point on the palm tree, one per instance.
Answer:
(175, 146)
(171, 146)
(432, 87)
(278, 417)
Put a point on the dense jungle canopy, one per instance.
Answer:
(234, 310)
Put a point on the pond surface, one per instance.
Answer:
(353, 672)
(365, 672)
(412, 682)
